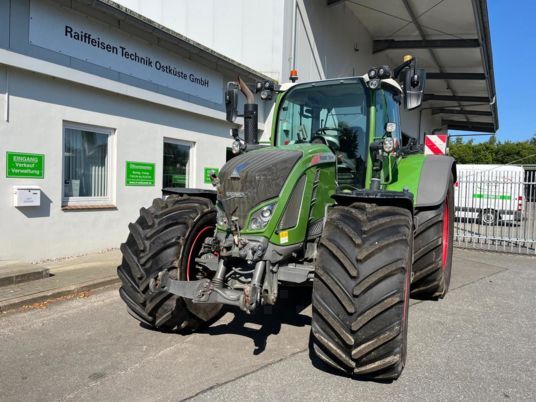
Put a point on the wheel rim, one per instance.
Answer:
(195, 248)
(488, 218)
(446, 233)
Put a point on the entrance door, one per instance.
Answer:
(177, 164)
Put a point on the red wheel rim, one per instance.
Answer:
(446, 232)
(194, 248)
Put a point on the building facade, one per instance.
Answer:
(105, 103)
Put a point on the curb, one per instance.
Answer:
(51, 295)
(15, 278)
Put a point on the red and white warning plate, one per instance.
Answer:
(435, 144)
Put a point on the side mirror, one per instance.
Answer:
(414, 83)
(231, 101)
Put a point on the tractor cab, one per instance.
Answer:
(357, 118)
(343, 114)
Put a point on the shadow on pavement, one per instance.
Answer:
(288, 310)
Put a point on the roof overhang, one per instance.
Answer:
(451, 40)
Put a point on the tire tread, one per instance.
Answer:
(154, 243)
(360, 301)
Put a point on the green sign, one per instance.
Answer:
(140, 174)
(207, 174)
(493, 196)
(25, 166)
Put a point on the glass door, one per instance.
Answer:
(177, 164)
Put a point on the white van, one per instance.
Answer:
(490, 193)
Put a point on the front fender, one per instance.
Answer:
(403, 199)
(193, 192)
(434, 180)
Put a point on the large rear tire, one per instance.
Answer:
(432, 261)
(166, 236)
(361, 290)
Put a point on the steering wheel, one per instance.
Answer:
(346, 188)
(318, 139)
(322, 130)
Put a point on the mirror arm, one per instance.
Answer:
(398, 70)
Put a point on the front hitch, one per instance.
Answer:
(206, 291)
(201, 291)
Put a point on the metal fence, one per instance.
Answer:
(496, 208)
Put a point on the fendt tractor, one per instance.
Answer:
(339, 198)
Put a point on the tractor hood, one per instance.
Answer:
(254, 177)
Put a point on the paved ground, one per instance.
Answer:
(477, 344)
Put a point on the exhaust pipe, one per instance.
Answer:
(251, 114)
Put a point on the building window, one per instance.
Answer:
(177, 164)
(87, 165)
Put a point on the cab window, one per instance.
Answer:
(333, 113)
(382, 115)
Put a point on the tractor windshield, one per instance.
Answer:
(332, 113)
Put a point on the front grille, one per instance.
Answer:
(254, 177)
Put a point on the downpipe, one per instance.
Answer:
(251, 115)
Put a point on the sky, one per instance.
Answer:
(513, 41)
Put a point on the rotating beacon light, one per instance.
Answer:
(293, 76)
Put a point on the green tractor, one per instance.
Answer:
(338, 199)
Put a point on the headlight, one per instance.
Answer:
(238, 146)
(388, 144)
(221, 219)
(373, 84)
(260, 218)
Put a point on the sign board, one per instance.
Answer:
(67, 32)
(25, 166)
(208, 170)
(435, 144)
(140, 174)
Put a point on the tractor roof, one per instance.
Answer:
(390, 82)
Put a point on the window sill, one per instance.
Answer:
(88, 207)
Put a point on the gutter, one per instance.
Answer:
(480, 8)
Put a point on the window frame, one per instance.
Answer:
(191, 177)
(354, 80)
(109, 199)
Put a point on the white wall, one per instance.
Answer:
(38, 107)
(326, 41)
(249, 31)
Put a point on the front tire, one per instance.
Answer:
(361, 290)
(166, 236)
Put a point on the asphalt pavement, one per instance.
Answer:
(478, 343)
